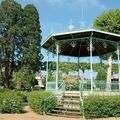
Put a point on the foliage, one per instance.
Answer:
(101, 71)
(1, 79)
(51, 75)
(108, 21)
(67, 67)
(10, 13)
(10, 102)
(23, 95)
(31, 39)
(41, 101)
(101, 106)
(115, 68)
(71, 82)
(19, 38)
(23, 79)
(71, 86)
(84, 66)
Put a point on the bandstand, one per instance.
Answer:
(82, 43)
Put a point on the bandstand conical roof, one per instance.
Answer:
(103, 42)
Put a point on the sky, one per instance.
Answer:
(56, 15)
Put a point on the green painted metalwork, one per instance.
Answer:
(91, 67)
(104, 40)
(47, 68)
(57, 65)
(51, 86)
(75, 39)
(118, 53)
(91, 86)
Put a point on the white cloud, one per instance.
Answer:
(58, 2)
(75, 3)
(96, 3)
(25, 2)
(33, 1)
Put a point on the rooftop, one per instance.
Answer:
(82, 38)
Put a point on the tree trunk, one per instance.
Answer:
(6, 76)
(12, 63)
(109, 73)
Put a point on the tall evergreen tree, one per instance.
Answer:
(19, 39)
(31, 38)
(10, 13)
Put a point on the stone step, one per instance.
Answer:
(71, 106)
(70, 102)
(68, 106)
(68, 109)
(69, 99)
(65, 112)
(60, 105)
(63, 115)
(71, 96)
(72, 92)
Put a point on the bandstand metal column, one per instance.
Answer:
(47, 68)
(118, 53)
(91, 67)
(57, 64)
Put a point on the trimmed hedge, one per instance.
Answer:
(101, 106)
(23, 95)
(10, 102)
(42, 101)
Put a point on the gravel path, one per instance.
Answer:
(29, 115)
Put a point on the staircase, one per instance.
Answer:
(68, 106)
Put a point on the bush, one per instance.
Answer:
(10, 102)
(102, 106)
(41, 101)
(23, 95)
(24, 79)
(71, 86)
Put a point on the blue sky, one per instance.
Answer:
(55, 15)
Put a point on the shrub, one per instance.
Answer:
(71, 85)
(101, 106)
(10, 102)
(23, 95)
(24, 79)
(41, 101)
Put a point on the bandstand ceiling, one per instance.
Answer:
(77, 43)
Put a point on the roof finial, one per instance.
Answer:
(82, 24)
(71, 26)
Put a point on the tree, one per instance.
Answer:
(101, 71)
(10, 13)
(109, 21)
(19, 39)
(31, 38)
(84, 66)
